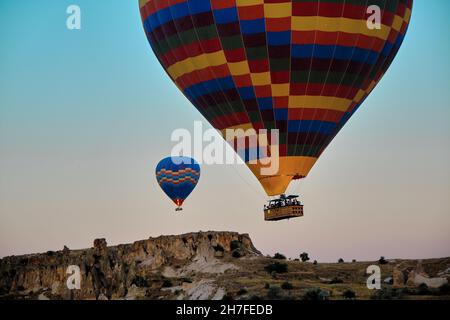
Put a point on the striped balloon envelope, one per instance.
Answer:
(301, 66)
(177, 177)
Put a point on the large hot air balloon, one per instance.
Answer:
(300, 66)
(177, 177)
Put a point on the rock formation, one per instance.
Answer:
(206, 265)
(128, 271)
(405, 274)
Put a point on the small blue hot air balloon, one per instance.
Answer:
(177, 177)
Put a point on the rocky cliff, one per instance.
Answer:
(210, 265)
(141, 269)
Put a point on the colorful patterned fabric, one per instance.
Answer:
(300, 66)
(177, 177)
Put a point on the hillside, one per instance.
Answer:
(210, 265)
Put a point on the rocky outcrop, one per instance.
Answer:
(133, 271)
(203, 265)
(418, 279)
(405, 274)
(400, 275)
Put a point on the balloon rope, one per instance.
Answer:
(259, 193)
(298, 186)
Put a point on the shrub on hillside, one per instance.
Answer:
(349, 294)
(444, 289)
(279, 256)
(278, 267)
(274, 293)
(336, 280)
(387, 294)
(423, 290)
(316, 295)
(287, 286)
(242, 291)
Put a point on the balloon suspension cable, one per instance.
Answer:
(252, 187)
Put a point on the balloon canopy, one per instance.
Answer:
(177, 177)
(300, 66)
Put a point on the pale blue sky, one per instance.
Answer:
(86, 115)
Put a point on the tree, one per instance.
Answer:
(315, 262)
(304, 256)
(382, 260)
(341, 260)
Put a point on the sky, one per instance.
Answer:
(85, 116)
